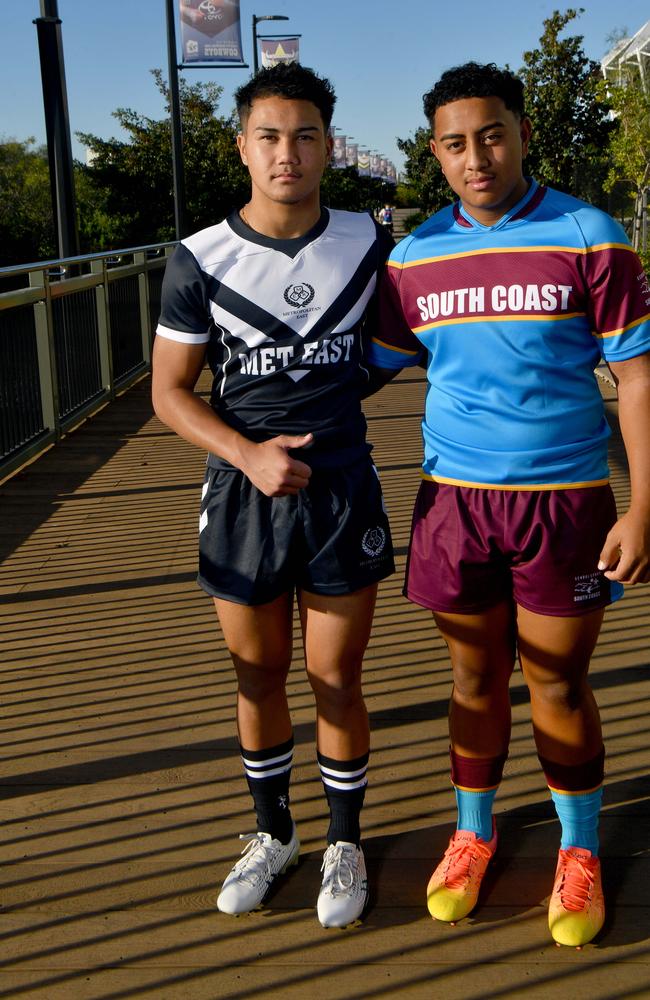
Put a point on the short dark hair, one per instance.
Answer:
(475, 80)
(291, 81)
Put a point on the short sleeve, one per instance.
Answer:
(619, 295)
(394, 345)
(185, 312)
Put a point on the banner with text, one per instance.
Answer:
(211, 31)
(279, 50)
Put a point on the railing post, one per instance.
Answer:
(46, 354)
(143, 295)
(104, 327)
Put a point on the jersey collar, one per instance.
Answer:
(290, 247)
(533, 197)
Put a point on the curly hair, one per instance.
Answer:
(290, 81)
(475, 80)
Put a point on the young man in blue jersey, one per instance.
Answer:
(514, 294)
(277, 297)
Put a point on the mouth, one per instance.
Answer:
(482, 183)
(287, 177)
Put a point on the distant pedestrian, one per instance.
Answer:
(386, 217)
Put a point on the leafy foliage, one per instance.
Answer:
(571, 126)
(345, 189)
(26, 222)
(423, 172)
(126, 194)
(629, 144)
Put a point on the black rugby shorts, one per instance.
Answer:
(332, 538)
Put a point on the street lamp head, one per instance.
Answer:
(256, 20)
(269, 17)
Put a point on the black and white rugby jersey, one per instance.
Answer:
(283, 321)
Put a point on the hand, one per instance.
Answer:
(270, 467)
(625, 556)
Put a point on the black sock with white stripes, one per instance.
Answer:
(345, 786)
(268, 773)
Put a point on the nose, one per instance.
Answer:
(475, 154)
(287, 151)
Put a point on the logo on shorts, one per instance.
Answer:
(299, 296)
(587, 586)
(373, 541)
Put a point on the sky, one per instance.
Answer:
(381, 56)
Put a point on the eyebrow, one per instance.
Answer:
(301, 128)
(460, 135)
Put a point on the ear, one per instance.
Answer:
(525, 131)
(241, 146)
(329, 145)
(434, 149)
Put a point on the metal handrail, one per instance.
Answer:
(80, 332)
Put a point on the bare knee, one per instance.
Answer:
(257, 683)
(560, 695)
(336, 688)
(471, 684)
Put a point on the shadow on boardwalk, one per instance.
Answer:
(121, 790)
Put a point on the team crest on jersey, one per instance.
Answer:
(300, 295)
(373, 541)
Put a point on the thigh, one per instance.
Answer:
(556, 650)
(336, 632)
(258, 637)
(481, 646)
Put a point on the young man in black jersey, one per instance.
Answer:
(277, 297)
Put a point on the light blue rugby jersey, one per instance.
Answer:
(514, 318)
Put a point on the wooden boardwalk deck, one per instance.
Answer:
(121, 791)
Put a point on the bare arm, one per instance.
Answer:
(176, 368)
(626, 553)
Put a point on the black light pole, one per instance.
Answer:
(178, 167)
(256, 20)
(57, 128)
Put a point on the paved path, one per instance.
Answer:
(121, 790)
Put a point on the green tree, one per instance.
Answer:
(346, 189)
(571, 126)
(26, 222)
(126, 194)
(423, 174)
(629, 143)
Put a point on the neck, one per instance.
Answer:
(281, 222)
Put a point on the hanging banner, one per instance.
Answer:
(383, 167)
(375, 170)
(351, 155)
(391, 173)
(210, 31)
(279, 50)
(338, 153)
(363, 163)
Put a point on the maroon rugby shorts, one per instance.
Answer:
(473, 548)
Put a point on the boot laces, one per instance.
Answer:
(461, 855)
(577, 883)
(255, 862)
(340, 867)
